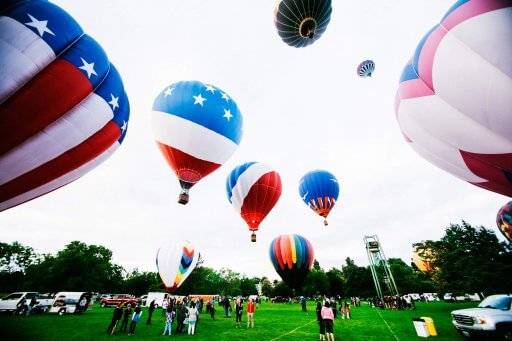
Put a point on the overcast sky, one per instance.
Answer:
(303, 109)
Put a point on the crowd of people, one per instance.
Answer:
(393, 302)
(184, 311)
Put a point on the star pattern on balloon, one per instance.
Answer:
(40, 25)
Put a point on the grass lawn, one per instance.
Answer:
(273, 322)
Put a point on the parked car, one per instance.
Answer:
(118, 299)
(13, 301)
(449, 297)
(430, 296)
(476, 297)
(71, 302)
(43, 303)
(415, 297)
(492, 318)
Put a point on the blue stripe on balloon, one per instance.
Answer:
(233, 177)
(408, 73)
(210, 114)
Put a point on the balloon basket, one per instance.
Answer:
(183, 198)
(325, 222)
(253, 237)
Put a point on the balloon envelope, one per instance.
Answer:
(366, 68)
(292, 257)
(253, 189)
(453, 103)
(175, 262)
(197, 128)
(421, 263)
(63, 107)
(301, 22)
(319, 189)
(504, 220)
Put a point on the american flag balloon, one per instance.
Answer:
(253, 189)
(319, 189)
(454, 101)
(63, 108)
(197, 127)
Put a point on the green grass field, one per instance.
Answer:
(273, 322)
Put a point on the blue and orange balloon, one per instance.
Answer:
(63, 107)
(319, 189)
(504, 220)
(292, 256)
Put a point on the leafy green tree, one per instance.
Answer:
(266, 287)
(358, 280)
(16, 257)
(469, 259)
(335, 281)
(140, 283)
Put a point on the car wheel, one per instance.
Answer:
(62, 312)
(505, 332)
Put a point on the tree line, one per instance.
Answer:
(466, 259)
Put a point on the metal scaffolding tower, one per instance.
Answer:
(379, 264)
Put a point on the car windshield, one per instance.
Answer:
(496, 302)
(12, 297)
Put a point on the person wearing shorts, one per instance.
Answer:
(328, 318)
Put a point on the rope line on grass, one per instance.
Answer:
(280, 336)
(389, 328)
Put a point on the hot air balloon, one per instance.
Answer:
(63, 108)
(454, 102)
(366, 68)
(292, 256)
(175, 262)
(504, 220)
(253, 189)
(301, 22)
(420, 262)
(197, 127)
(319, 189)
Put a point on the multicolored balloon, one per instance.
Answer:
(292, 256)
(366, 68)
(253, 189)
(175, 262)
(421, 263)
(301, 22)
(454, 102)
(319, 189)
(63, 108)
(197, 127)
(504, 220)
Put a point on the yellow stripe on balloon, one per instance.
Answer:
(293, 249)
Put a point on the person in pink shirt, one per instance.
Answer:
(328, 318)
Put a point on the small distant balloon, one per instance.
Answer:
(366, 68)
(421, 263)
(504, 220)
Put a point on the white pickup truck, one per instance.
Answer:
(18, 301)
(492, 318)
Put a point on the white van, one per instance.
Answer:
(12, 301)
(158, 297)
(70, 302)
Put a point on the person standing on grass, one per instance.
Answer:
(169, 317)
(250, 313)
(137, 313)
(239, 308)
(321, 323)
(116, 316)
(181, 312)
(127, 312)
(212, 310)
(192, 318)
(328, 318)
(150, 311)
